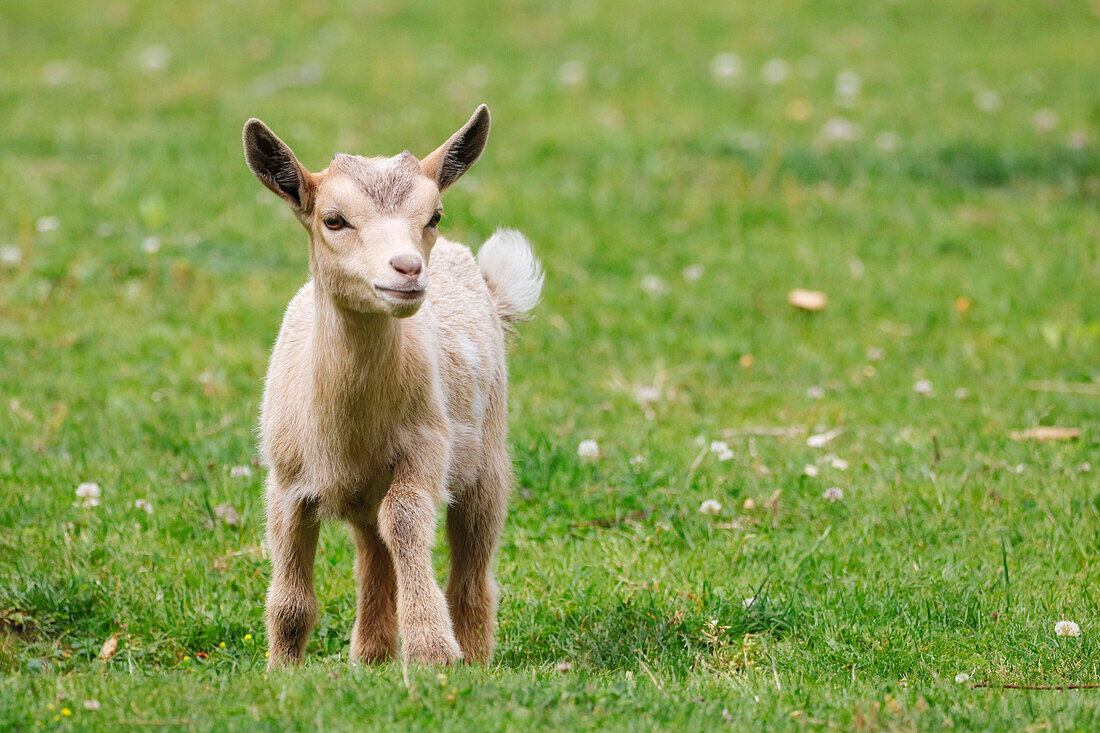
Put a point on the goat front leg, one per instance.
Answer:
(292, 528)
(407, 521)
(374, 638)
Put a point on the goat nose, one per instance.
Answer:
(407, 264)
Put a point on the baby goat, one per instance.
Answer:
(386, 397)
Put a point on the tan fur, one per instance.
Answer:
(380, 408)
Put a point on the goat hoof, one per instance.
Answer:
(441, 653)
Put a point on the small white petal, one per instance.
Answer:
(833, 494)
(923, 387)
(150, 245)
(815, 392)
(962, 677)
(809, 470)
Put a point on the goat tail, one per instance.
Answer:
(513, 272)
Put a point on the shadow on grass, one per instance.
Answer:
(673, 632)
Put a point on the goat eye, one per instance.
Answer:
(334, 221)
(435, 219)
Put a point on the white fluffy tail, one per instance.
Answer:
(513, 272)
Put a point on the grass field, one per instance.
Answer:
(932, 166)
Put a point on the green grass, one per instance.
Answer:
(955, 549)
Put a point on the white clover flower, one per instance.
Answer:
(637, 461)
(89, 494)
(154, 58)
(92, 704)
(654, 285)
(775, 71)
(848, 85)
(809, 470)
(571, 73)
(988, 101)
(89, 490)
(10, 255)
(840, 130)
(924, 387)
(710, 507)
(47, 224)
(588, 449)
(240, 472)
(56, 73)
(1077, 140)
(876, 354)
(816, 392)
(721, 450)
(887, 142)
(694, 273)
(1067, 628)
(1085, 467)
(150, 245)
(833, 493)
(143, 505)
(839, 464)
(563, 666)
(726, 67)
(1045, 120)
(647, 394)
(961, 678)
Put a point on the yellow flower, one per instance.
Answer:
(186, 658)
(267, 655)
(221, 645)
(247, 637)
(66, 712)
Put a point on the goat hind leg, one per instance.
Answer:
(474, 524)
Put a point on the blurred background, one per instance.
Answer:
(932, 167)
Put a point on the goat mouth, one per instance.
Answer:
(414, 292)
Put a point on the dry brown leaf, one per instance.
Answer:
(109, 648)
(807, 300)
(1045, 433)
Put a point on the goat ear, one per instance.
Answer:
(454, 157)
(274, 165)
